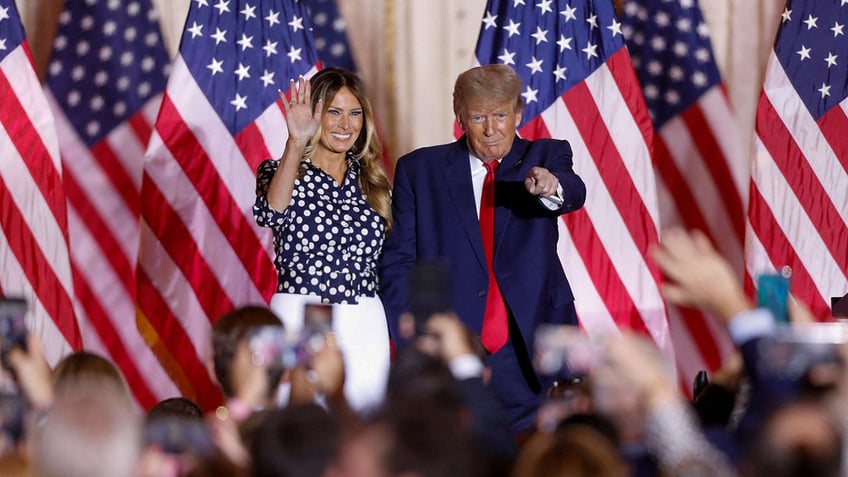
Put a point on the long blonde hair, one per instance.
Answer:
(367, 148)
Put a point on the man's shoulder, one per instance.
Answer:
(547, 144)
(427, 153)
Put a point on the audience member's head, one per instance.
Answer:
(298, 441)
(575, 451)
(799, 439)
(89, 434)
(596, 422)
(423, 441)
(81, 371)
(417, 377)
(180, 407)
(231, 356)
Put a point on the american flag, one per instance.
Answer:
(201, 250)
(702, 172)
(34, 257)
(330, 33)
(105, 83)
(799, 177)
(580, 86)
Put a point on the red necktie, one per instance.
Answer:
(495, 331)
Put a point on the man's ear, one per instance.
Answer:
(459, 122)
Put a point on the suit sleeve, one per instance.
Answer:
(573, 188)
(399, 252)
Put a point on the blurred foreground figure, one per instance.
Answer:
(87, 435)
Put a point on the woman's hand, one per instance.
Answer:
(302, 121)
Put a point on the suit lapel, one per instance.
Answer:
(458, 179)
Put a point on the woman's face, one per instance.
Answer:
(342, 123)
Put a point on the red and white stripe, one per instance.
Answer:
(34, 258)
(702, 177)
(103, 186)
(603, 247)
(202, 252)
(798, 209)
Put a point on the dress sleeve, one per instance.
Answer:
(265, 215)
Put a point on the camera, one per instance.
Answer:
(12, 410)
(773, 294)
(317, 319)
(13, 328)
(272, 347)
(564, 350)
(179, 435)
(793, 351)
(429, 292)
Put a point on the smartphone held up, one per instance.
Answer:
(275, 347)
(773, 293)
(13, 328)
(429, 286)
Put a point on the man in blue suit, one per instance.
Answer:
(440, 203)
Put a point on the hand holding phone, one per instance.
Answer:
(179, 435)
(13, 328)
(317, 318)
(429, 292)
(565, 350)
(273, 348)
(773, 294)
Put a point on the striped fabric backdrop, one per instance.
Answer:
(34, 253)
(580, 86)
(105, 81)
(702, 169)
(799, 178)
(201, 250)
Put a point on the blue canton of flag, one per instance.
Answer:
(551, 51)
(812, 53)
(330, 32)
(241, 54)
(115, 64)
(674, 66)
(11, 32)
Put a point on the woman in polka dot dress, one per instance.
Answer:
(327, 201)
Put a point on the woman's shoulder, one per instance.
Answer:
(266, 169)
(268, 164)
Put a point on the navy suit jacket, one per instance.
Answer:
(435, 217)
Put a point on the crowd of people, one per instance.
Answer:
(464, 393)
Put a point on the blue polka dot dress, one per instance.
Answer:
(328, 239)
(327, 244)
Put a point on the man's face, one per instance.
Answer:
(490, 127)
